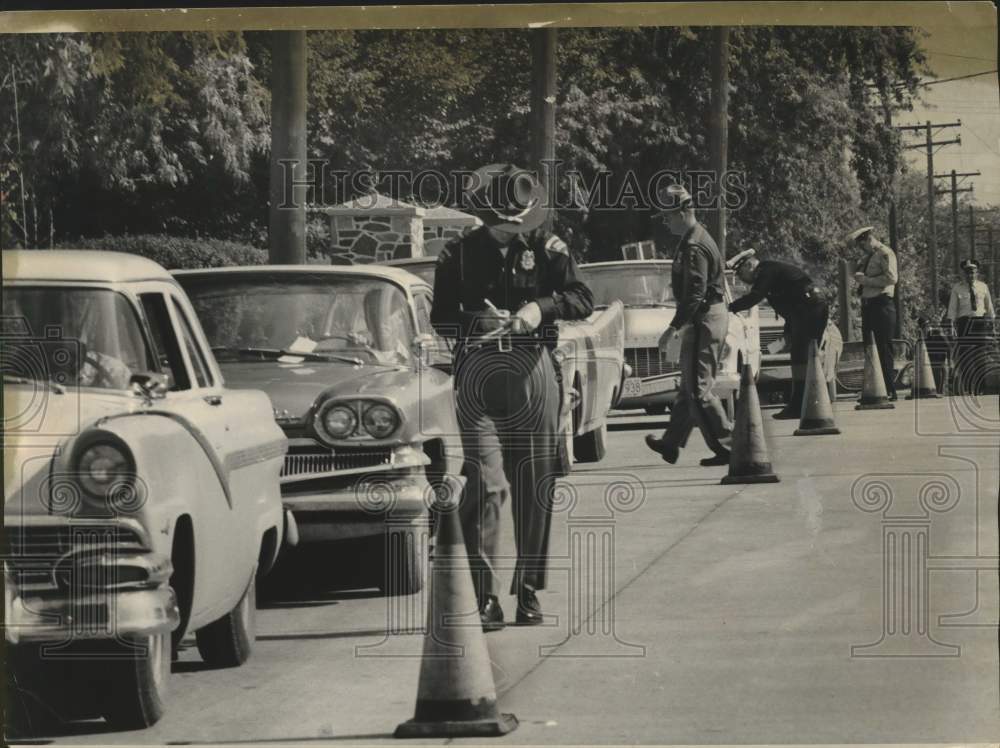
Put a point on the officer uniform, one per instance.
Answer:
(877, 287)
(702, 320)
(970, 306)
(508, 395)
(793, 295)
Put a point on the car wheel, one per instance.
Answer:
(136, 680)
(656, 410)
(228, 641)
(401, 562)
(592, 446)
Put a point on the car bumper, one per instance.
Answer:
(361, 510)
(89, 616)
(658, 391)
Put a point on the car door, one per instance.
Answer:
(195, 401)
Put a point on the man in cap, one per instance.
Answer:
(793, 295)
(701, 321)
(499, 291)
(877, 287)
(970, 307)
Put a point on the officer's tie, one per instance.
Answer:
(972, 295)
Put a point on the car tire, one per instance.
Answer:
(592, 446)
(402, 562)
(228, 641)
(136, 682)
(656, 410)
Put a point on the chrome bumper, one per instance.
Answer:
(362, 510)
(89, 616)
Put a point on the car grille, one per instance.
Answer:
(768, 336)
(34, 550)
(319, 460)
(647, 362)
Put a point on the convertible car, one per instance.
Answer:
(350, 360)
(591, 358)
(643, 286)
(141, 497)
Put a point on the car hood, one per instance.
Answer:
(38, 424)
(295, 387)
(644, 326)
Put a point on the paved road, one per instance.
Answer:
(717, 614)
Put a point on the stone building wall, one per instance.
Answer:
(376, 237)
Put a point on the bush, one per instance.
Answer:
(176, 253)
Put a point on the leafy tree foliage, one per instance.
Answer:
(154, 133)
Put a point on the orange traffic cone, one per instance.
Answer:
(923, 373)
(817, 412)
(456, 696)
(873, 392)
(748, 460)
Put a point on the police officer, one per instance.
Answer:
(701, 321)
(499, 291)
(970, 308)
(877, 287)
(793, 296)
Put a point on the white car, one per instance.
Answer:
(643, 286)
(141, 496)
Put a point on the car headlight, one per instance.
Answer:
(104, 465)
(337, 421)
(380, 420)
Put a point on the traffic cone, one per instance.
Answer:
(456, 696)
(748, 460)
(923, 373)
(817, 412)
(873, 392)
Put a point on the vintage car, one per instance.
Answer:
(141, 496)
(643, 286)
(348, 356)
(775, 374)
(591, 358)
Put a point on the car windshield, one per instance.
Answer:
(354, 319)
(643, 285)
(89, 337)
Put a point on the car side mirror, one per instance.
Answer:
(149, 384)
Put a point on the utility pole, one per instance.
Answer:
(718, 129)
(993, 259)
(543, 113)
(287, 235)
(956, 179)
(972, 234)
(930, 144)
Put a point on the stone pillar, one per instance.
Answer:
(375, 229)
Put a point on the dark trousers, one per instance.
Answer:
(878, 318)
(508, 414)
(973, 338)
(803, 325)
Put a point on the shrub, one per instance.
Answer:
(175, 253)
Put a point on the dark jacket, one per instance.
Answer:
(785, 287)
(696, 276)
(538, 267)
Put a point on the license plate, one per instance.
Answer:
(632, 387)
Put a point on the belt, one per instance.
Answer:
(878, 297)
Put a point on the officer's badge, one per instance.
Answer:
(528, 260)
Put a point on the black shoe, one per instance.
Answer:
(787, 415)
(491, 614)
(668, 453)
(529, 612)
(893, 396)
(715, 460)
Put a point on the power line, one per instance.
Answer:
(957, 78)
(964, 57)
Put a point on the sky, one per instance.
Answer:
(957, 50)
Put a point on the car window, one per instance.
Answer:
(194, 351)
(167, 351)
(422, 302)
(91, 337)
